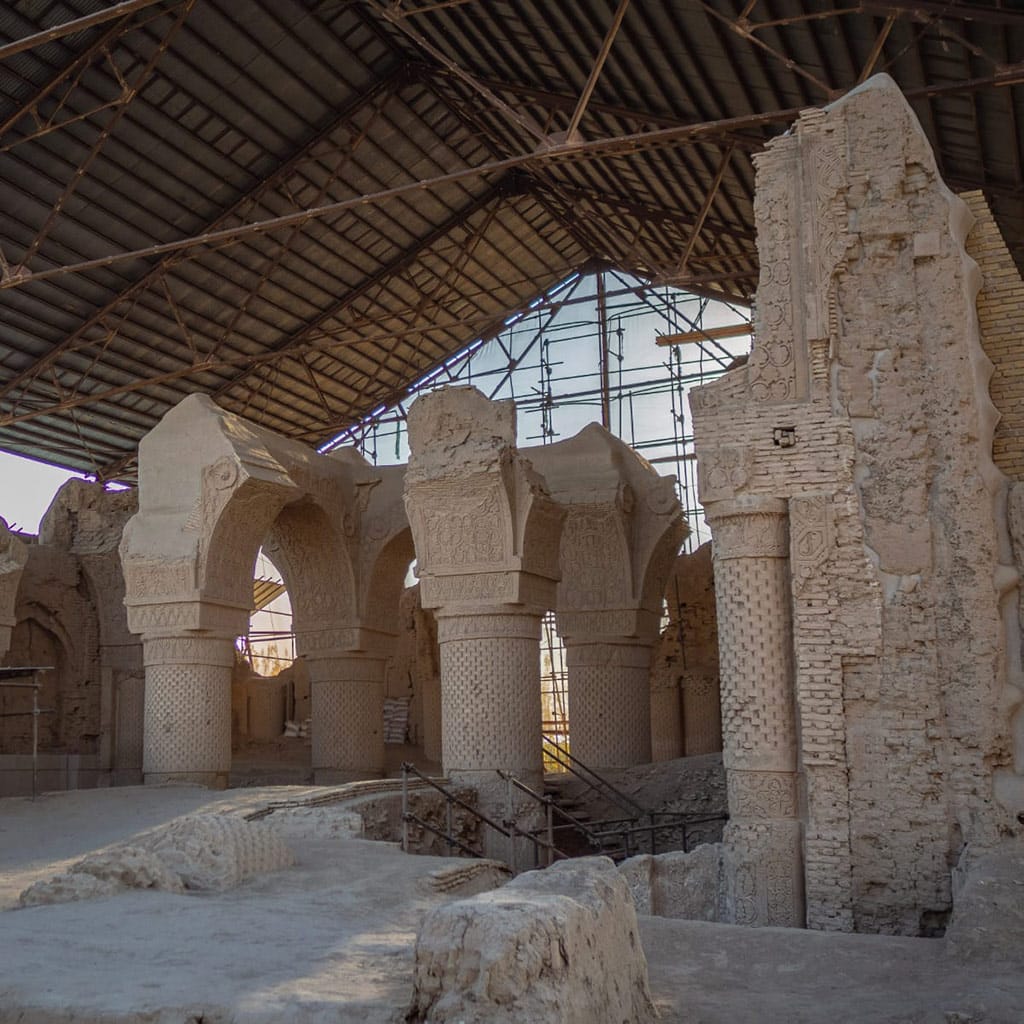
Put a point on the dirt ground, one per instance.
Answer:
(332, 938)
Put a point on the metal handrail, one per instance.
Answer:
(632, 824)
(510, 830)
(576, 767)
(595, 834)
(551, 808)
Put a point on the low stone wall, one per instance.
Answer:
(55, 772)
(677, 884)
(555, 945)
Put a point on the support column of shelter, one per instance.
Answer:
(762, 842)
(486, 534)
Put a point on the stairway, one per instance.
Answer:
(570, 839)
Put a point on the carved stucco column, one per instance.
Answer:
(622, 531)
(609, 700)
(346, 697)
(187, 734)
(762, 842)
(486, 535)
(490, 691)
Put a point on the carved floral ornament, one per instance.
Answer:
(761, 795)
(724, 471)
(750, 527)
(811, 537)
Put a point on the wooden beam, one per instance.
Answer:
(686, 337)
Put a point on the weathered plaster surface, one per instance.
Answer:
(864, 410)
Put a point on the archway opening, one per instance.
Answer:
(270, 690)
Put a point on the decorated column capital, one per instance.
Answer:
(490, 622)
(749, 526)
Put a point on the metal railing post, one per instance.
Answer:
(510, 824)
(405, 807)
(450, 833)
(551, 830)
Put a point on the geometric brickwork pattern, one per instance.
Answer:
(610, 713)
(490, 704)
(756, 663)
(347, 717)
(188, 719)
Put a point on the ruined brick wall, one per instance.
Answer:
(686, 717)
(864, 406)
(1001, 318)
(70, 613)
(56, 625)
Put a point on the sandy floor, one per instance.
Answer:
(331, 939)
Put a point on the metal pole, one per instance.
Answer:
(450, 829)
(35, 731)
(510, 823)
(405, 808)
(602, 361)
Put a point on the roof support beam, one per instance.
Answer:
(129, 92)
(386, 85)
(742, 30)
(71, 27)
(705, 208)
(563, 101)
(595, 71)
(617, 146)
(524, 121)
(403, 262)
(620, 145)
(70, 74)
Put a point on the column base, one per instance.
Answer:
(502, 803)
(762, 873)
(211, 780)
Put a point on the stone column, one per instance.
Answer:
(762, 842)
(430, 687)
(609, 701)
(490, 693)
(187, 733)
(486, 534)
(347, 702)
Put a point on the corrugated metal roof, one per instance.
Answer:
(191, 116)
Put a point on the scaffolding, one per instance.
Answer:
(554, 691)
(601, 347)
